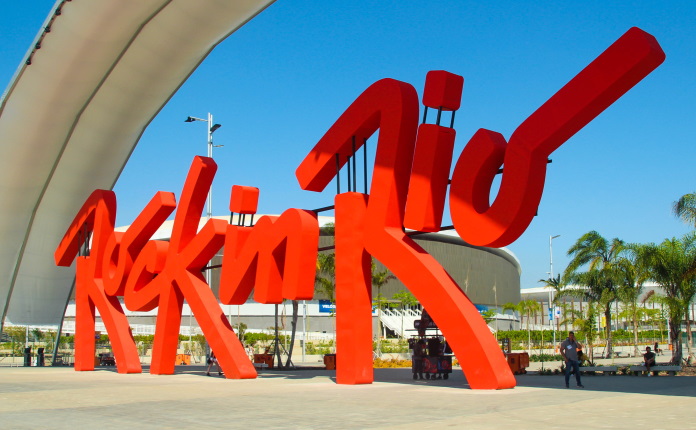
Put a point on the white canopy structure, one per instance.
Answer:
(96, 75)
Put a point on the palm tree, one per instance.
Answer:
(685, 209)
(325, 279)
(600, 277)
(557, 285)
(326, 275)
(687, 293)
(528, 308)
(584, 324)
(378, 280)
(672, 265)
(632, 277)
(654, 317)
(509, 306)
(488, 315)
(568, 314)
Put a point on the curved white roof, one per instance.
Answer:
(96, 75)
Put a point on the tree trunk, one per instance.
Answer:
(276, 343)
(634, 315)
(607, 317)
(675, 340)
(293, 323)
(379, 330)
(529, 335)
(689, 338)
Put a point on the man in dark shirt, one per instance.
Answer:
(649, 359)
(569, 352)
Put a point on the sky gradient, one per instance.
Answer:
(281, 81)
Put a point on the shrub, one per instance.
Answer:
(313, 349)
(545, 357)
(390, 347)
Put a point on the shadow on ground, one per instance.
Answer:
(658, 385)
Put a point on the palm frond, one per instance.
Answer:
(685, 209)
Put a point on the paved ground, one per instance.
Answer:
(60, 398)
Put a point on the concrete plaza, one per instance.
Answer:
(59, 398)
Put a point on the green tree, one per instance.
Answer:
(631, 279)
(325, 279)
(404, 299)
(685, 209)
(672, 265)
(557, 286)
(326, 275)
(527, 308)
(488, 315)
(568, 314)
(594, 268)
(654, 317)
(37, 335)
(512, 307)
(584, 324)
(379, 278)
(18, 337)
(241, 329)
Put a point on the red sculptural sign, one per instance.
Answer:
(277, 256)
(154, 273)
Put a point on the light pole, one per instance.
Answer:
(551, 278)
(210, 130)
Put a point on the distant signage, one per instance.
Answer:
(326, 306)
(481, 308)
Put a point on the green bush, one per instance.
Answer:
(519, 338)
(320, 348)
(545, 357)
(390, 347)
(262, 339)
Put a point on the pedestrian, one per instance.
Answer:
(648, 359)
(657, 351)
(569, 352)
(213, 360)
(419, 354)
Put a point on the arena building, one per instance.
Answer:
(489, 276)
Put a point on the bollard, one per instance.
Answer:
(40, 359)
(27, 356)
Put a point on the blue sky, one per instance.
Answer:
(277, 84)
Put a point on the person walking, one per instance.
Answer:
(569, 352)
(212, 361)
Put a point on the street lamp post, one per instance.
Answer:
(553, 314)
(210, 130)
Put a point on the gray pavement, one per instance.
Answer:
(60, 398)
